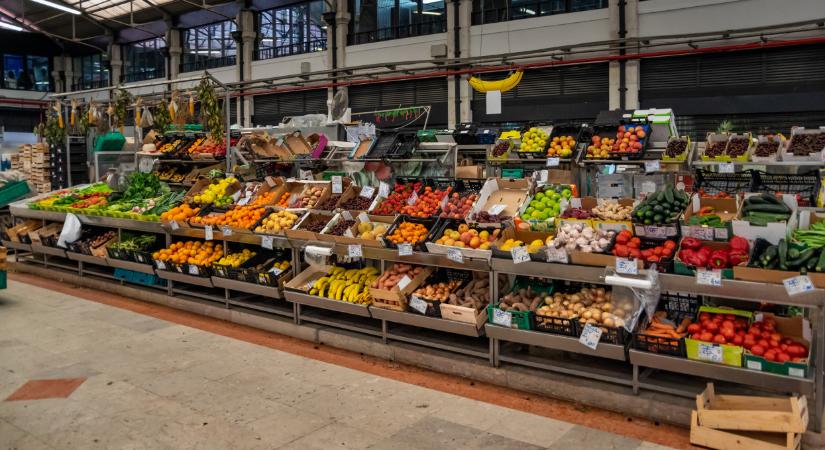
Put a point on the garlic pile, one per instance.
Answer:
(577, 236)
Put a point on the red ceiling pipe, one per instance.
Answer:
(541, 64)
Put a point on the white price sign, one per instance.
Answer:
(305, 175)
(496, 209)
(412, 199)
(652, 166)
(404, 282)
(701, 233)
(363, 217)
(552, 162)
(557, 255)
(648, 187)
(354, 251)
(454, 254)
(542, 176)
(276, 271)
(346, 215)
(383, 189)
(367, 191)
(726, 167)
(161, 265)
(405, 249)
(266, 242)
(709, 277)
(709, 352)
(226, 230)
(193, 270)
(337, 184)
(207, 233)
(798, 284)
(418, 304)
(520, 255)
(270, 181)
(590, 336)
(626, 266)
(502, 318)
(244, 201)
(174, 225)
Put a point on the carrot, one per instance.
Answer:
(683, 326)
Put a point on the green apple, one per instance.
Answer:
(529, 210)
(566, 193)
(539, 195)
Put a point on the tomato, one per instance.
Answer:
(728, 334)
(730, 317)
(694, 328)
(704, 316)
(770, 355)
(670, 245)
(737, 340)
(753, 331)
(764, 343)
(741, 333)
(727, 324)
(707, 336)
(719, 339)
(657, 251)
(712, 327)
(666, 252)
(774, 343)
(758, 350)
(696, 336)
(741, 324)
(783, 357)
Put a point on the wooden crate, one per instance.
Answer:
(752, 413)
(397, 304)
(463, 314)
(740, 440)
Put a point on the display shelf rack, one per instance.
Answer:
(183, 278)
(266, 306)
(325, 303)
(249, 288)
(87, 259)
(554, 341)
(421, 321)
(45, 250)
(581, 366)
(441, 340)
(335, 319)
(130, 265)
(17, 246)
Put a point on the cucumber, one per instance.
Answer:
(669, 194)
(658, 218)
(800, 260)
(782, 252)
(810, 264)
(820, 264)
(756, 200)
(776, 209)
(793, 253)
(769, 254)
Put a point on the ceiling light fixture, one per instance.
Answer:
(59, 6)
(431, 13)
(8, 26)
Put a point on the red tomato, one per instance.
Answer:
(694, 328)
(712, 327)
(737, 340)
(666, 252)
(727, 324)
(696, 336)
(774, 343)
(704, 316)
(670, 245)
(783, 357)
(728, 334)
(707, 336)
(730, 317)
(741, 324)
(764, 343)
(753, 331)
(758, 350)
(719, 339)
(770, 355)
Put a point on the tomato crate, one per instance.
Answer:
(678, 306)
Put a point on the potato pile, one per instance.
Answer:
(521, 300)
(612, 211)
(593, 306)
(438, 291)
(390, 278)
(476, 294)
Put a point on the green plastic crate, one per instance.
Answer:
(110, 142)
(512, 173)
(426, 136)
(523, 320)
(3, 279)
(12, 191)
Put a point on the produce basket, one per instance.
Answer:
(611, 132)
(677, 306)
(522, 320)
(734, 145)
(194, 270)
(420, 246)
(238, 273)
(674, 141)
(809, 145)
(717, 143)
(265, 274)
(805, 186)
(442, 275)
(763, 145)
(115, 253)
(712, 183)
(501, 149)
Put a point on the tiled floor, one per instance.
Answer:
(132, 381)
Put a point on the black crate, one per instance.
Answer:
(556, 325)
(712, 183)
(383, 145)
(465, 134)
(442, 274)
(805, 186)
(430, 223)
(678, 306)
(116, 253)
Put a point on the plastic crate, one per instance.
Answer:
(434, 306)
(4, 279)
(110, 142)
(678, 306)
(430, 223)
(12, 191)
(712, 183)
(805, 185)
(557, 325)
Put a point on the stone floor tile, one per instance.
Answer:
(286, 425)
(45, 389)
(530, 428)
(583, 437)
(334, 436)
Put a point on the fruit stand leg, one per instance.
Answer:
(384, 331)
(819, 371)
(635, 379)
(297, 312)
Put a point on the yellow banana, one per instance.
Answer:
(500, 85)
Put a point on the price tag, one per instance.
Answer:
(305, 175)
(798, 284)
(346, 215)
(590, 336)
(502, 318)
(161, 265)
(174, 225)
(266, 242)
(405, 249)
(244, 201)
(354, 251)
(652, 166)
(709, 277)
(193, 270)
(348, 233)
(444, 201)
(226, 230)
(720, 234)
(557, 255)
(337, 184)
(418, 304)
(383, 189)
(367, 191)
(709, 352)
(701, 233)
(363, 217)
(454, 254)
(726, 167)
(412, 199)
(520, 255)
(552, 162)
(207, 233)
(276, 271)
(655, 232)
(236, 196)
(626, 266)
(648, 187)
(496, 209)
(403, 282)
(543, 175)
(270, 181)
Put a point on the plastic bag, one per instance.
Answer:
(642, 290)
(70, 232)
(146, 118)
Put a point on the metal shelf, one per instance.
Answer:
(281, 309)
(17, 246)
(239, 237)
(554, 341)
(780, 383)
(188, 161)
(325, 303)
(700, 163)
(427, 259)
(89, 259)
(42, 249)
(433, 323)
(584, 274)
(248, 288)
(130, 265)
(182, 278)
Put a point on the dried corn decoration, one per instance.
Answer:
(58, 108)
(91, 111)
(191, 104)
(173, 105)
(138, 103)
(72, 113)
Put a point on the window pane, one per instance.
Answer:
(13, 65)
(39, 69)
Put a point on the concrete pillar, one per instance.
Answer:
(68, 72)
(614, 70)
(465, 15)
(116, 63)
(632, 73)
(246, 25)
(342, 18)
(58, 68)
(452, 9)
(175, 50)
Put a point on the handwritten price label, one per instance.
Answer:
(355, 251)
(367, 191)
(502, 318)
(337, 184)
(413, 198)
(626, 266)
(266, 242)
(405, 249)
(797, 285)
(553, 162)
(726, 167)
(404, 282)
(418, 305)
(384, 190)
(207, 233)
(652, 166)
(520, 255)
(455, 254)
(590, 336)
(709, 352)
(557, 255)
(496, 209)
(174, 225)
(161, 265)
(709, 277)
(193, 270)
(226, 230)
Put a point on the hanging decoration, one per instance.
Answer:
(409, 114)
(211, 110)
(162, 117)
(138, 103)
(52, 131)
(58, 108)
(72, 114)
(191, 104)
(86, 120)
(173, 106)
(504, 85)
(146, 118)
(122, 102)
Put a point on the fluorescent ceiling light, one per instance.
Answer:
(9, 26)
(427, 2)
(431, 13)
(528, 11)
(58, 6)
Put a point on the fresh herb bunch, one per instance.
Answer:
(211, 110)
(161, 116)
(51, 131)
(144, 185)
(84, 123)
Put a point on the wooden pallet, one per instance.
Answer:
(740, 440)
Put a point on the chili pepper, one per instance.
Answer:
(635, 242)
(719, 259)
(736, 257)
(739, 243)
(705, 211)
(691, 243)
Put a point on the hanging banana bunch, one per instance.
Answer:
(191, 104)
(91, 112)
(58, 107)
(504, 85)
(173, 106)
(138, 103)
(73, 113)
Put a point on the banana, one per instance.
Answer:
(504, 85)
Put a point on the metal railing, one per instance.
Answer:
(91, 84)
(314, 45)
(208, 63)
(143, 75)
(398, 32)
(536, 9)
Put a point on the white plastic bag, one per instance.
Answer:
(644, 290)
(70, 232)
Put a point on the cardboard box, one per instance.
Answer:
(796, 328)
(469, 172)
(23, 229)
(774, 231)
(400, 295)
(463, 314)
(500, 191)
(52, 229)
(297, 233)
(589, 203)
(729, 355)
(375, 220)
(521, 235)
(726, 208)
(202, 183)
(304, 280)
(617, 185)
(325, 235)
(759, 275)
(681, 268)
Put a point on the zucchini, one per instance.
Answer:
(669, 194)
(800, 260)
(782, 252)
(769, 255)
(793, 253)
(820, 264)
(810, 264)
(772, 209)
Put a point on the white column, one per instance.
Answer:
(57, 68)
(342, 18)
(116, 62)
(246, 22)
(614, 70)
(173, 43)
(632, 73)
(68, 72)
(465, 14)
(452, 10)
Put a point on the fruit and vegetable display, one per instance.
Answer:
(546, 204)
(135, 243)
(599, 147)
(428, 203)
(762, 209)
(458, 205)
(439, 291)
(475, 294)
(346, 285)
(701, 255)
(660, 326)
(372, 230)
(612, 211)
(706, 216)
(813, 237)
(762, 339)
(676, 147)
(715, 148)
(277, 222)
(590, 306)
(217, 193)
(466, 237)
(390, 278)
(341, 226)
(579, 237)
(561, 146)
(330, 203)
(243, 217)
(787, 256)
(309, 197)
(533, 140)
(198, 253)
(408, 233)
(180, 213)
(629, 246)
(357, 203)
(397, 198)
(314, 224)
(486, 217)
(501, 148)
(629, 140)
(576, 213)
(236, 260)
(738, 146)
(803, 144)
(768, 146)
(661, 207)
(283, 201)
(524, 299)
(723, 329)
(533, 247)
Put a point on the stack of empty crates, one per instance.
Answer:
(33, 161)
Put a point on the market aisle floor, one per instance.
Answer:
(82, 374)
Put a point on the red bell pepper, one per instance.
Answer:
(719, 259)
(703, 257)
(739, 243)
(736, 257)
(691, 243)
